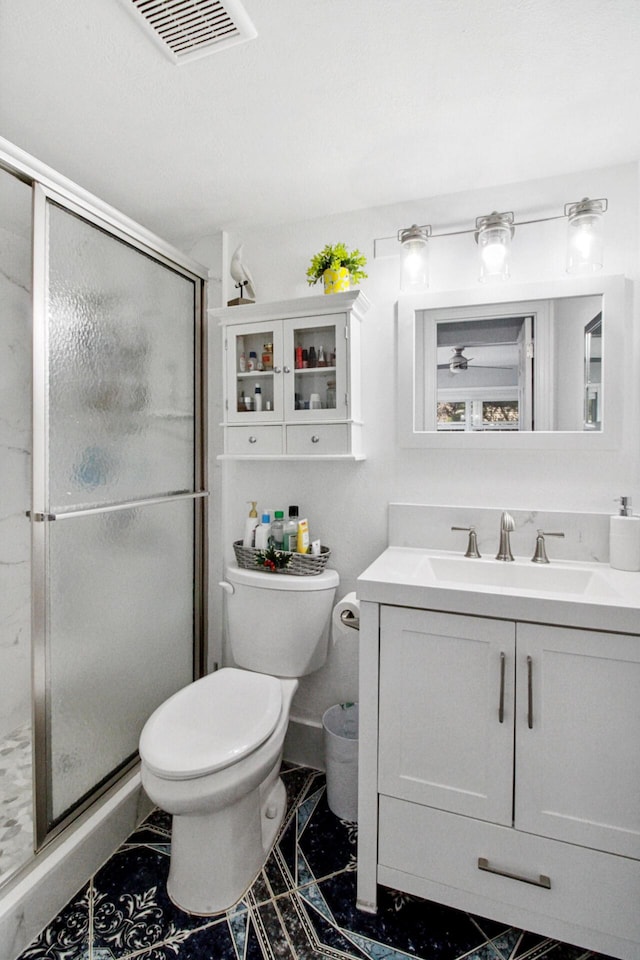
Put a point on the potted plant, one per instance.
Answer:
(336, 267)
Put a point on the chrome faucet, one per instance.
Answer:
(506, 526)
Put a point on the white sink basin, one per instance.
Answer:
(555, 578)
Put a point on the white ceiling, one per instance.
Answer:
(336, 105)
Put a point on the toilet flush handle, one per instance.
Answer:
(226, 586)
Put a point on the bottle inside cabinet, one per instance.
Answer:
(254, 367)
(314, 367)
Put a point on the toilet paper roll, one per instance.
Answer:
(346, 614)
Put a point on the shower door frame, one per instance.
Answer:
(125, 231)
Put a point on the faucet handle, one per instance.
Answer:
(540, 555)
(472, 546)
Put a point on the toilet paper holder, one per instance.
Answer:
(350, 620)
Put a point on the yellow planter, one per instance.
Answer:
(336, 280)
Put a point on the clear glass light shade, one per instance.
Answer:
(585, 241)
(494, 244)
(414, 259)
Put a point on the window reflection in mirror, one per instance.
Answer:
(533, 366)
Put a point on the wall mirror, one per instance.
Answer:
(523, 366)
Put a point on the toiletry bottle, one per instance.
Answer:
(303, 537)
(290, 530)
(252, 362)
(257, 393)
(624, 538)
(242, 357)
(263, 532)
(322, 361)
(298, 358)
(277, 530)
(313, 360)
(250, 525)
(267, 356)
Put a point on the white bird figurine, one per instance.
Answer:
(241, 275)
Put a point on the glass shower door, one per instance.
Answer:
(118, 478)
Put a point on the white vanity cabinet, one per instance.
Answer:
(506, 771)
(307, 369)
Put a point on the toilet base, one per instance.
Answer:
(238, 841)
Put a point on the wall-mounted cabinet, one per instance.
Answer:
(292, 378)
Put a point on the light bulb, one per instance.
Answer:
(414, 258)
(494, 243)
(585, 244)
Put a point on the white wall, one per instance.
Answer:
(346, 503)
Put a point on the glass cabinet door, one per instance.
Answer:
(254, 372)
(316, 347)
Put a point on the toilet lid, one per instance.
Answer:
(211, 724)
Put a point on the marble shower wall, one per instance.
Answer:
(15, 452)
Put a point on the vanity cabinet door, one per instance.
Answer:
(578, 737)
(446, 712)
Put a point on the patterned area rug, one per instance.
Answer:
(302, 905)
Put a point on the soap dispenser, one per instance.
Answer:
(624, 538)
(250, 525)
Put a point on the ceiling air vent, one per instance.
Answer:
(188, 29)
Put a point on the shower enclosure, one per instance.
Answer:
(105, 504)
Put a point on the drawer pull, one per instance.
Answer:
(253, 439)
(530, 693)
(503, 660)
(542, 881)
(315, 438)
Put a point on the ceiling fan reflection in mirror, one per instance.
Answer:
(459, 362)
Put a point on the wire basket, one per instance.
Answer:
(302, 564)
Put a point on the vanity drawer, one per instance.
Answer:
(318, 439)
(254, 441)
(440, 851)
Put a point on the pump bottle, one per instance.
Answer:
(250, 525)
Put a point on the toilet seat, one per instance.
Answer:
(211, 724)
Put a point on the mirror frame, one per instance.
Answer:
(617, 351)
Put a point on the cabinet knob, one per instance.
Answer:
(287, 369)
(253, 439)
(315, 438)
(277, 370)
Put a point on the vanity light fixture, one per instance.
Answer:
(414, 258)
(493, 234)
(585, 243)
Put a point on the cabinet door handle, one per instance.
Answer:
(253, 439)
(540, 881)
(503, 661)
(277, 370)
(530, 693)
(315, 438)
(287, 369)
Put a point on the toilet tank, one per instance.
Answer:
(278, 623)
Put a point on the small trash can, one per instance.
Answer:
(340, 734)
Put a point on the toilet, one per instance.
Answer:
(210, 755)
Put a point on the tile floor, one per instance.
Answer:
(301, 906)
(16, 801)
